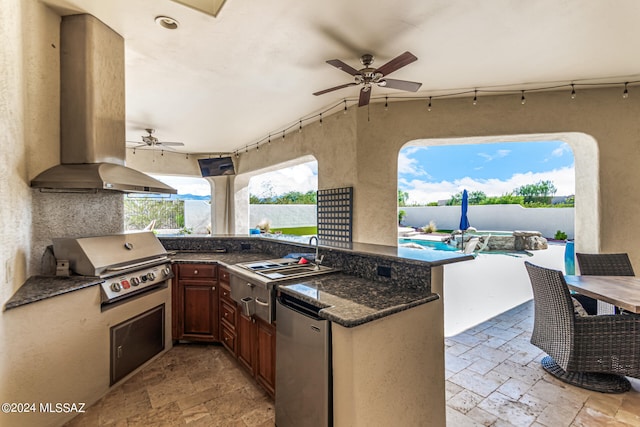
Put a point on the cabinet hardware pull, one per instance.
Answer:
(195, 271)
(262, 303)
(213, 288)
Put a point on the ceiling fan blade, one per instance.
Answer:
(342, 66)
(322, 92)
(175, 144)
(396, 63)
(365, 95)
(402, 85)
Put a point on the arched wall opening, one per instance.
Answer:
(585, 151)
(239, 192)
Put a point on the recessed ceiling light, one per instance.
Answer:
(167, 22)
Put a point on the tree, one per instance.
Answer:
(475, 198)
(403, 196)
(290, 198)
(540, 192)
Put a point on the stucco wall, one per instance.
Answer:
(284, 215)
(29, 144)
(15, 195)
(494, 217)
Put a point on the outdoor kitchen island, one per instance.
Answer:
(387, 324)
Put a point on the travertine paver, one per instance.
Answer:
(494, 378)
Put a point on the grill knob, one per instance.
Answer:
(166, 271)
(151, 275)
(134, 281)
(115, 287)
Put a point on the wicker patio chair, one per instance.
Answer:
(602, 265)
(593, 352)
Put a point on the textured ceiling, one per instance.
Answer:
(220, 83)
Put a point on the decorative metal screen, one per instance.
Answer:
(335, 216)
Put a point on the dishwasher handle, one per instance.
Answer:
(299, 306)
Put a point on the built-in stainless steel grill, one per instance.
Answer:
(130, 263)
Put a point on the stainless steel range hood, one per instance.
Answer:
(92, 114)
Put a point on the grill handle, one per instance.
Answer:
(138, 264)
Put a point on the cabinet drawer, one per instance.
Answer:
(228, 314)
(224, 275)
(225, 292)
(194, 271)
(229, 339)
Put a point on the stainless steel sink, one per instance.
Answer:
(294, 271)
(253, 284)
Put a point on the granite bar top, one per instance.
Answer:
(351, 301)
(230, 258)
(404, 254)
(37, 288)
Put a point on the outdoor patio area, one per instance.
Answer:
(493, 378)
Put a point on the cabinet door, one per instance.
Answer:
(199, 310)
(265, 363)
(245, 341)
(176, 309)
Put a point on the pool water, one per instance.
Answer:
(429, 244)
(433, 245)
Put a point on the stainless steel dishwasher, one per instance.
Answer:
(303, 365)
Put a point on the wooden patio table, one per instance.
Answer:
(621, 291)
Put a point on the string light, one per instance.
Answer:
(283, 135)
(257, 146)
(269, 139)
(458, 93)
(386, 103)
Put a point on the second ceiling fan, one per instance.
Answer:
(368, 76)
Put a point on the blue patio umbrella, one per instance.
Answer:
(464, 221)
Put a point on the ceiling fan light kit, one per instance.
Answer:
(150, 141)
(369, 76)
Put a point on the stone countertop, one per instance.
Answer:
(37, 288)
(223, 258)
(351, 301)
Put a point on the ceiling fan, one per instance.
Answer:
(150, 141)
(368, 76)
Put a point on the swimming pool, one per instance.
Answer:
(433, 245)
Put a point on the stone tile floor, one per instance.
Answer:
(493, 376)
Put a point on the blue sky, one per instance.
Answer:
(432, 173)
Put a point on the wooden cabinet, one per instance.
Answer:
(196, 303)
(246, 338)
(265, 363)
(228, 314)
(256, 341)
(204, 311)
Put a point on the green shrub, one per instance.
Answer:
(560, 235)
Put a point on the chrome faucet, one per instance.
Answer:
(317, 260)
